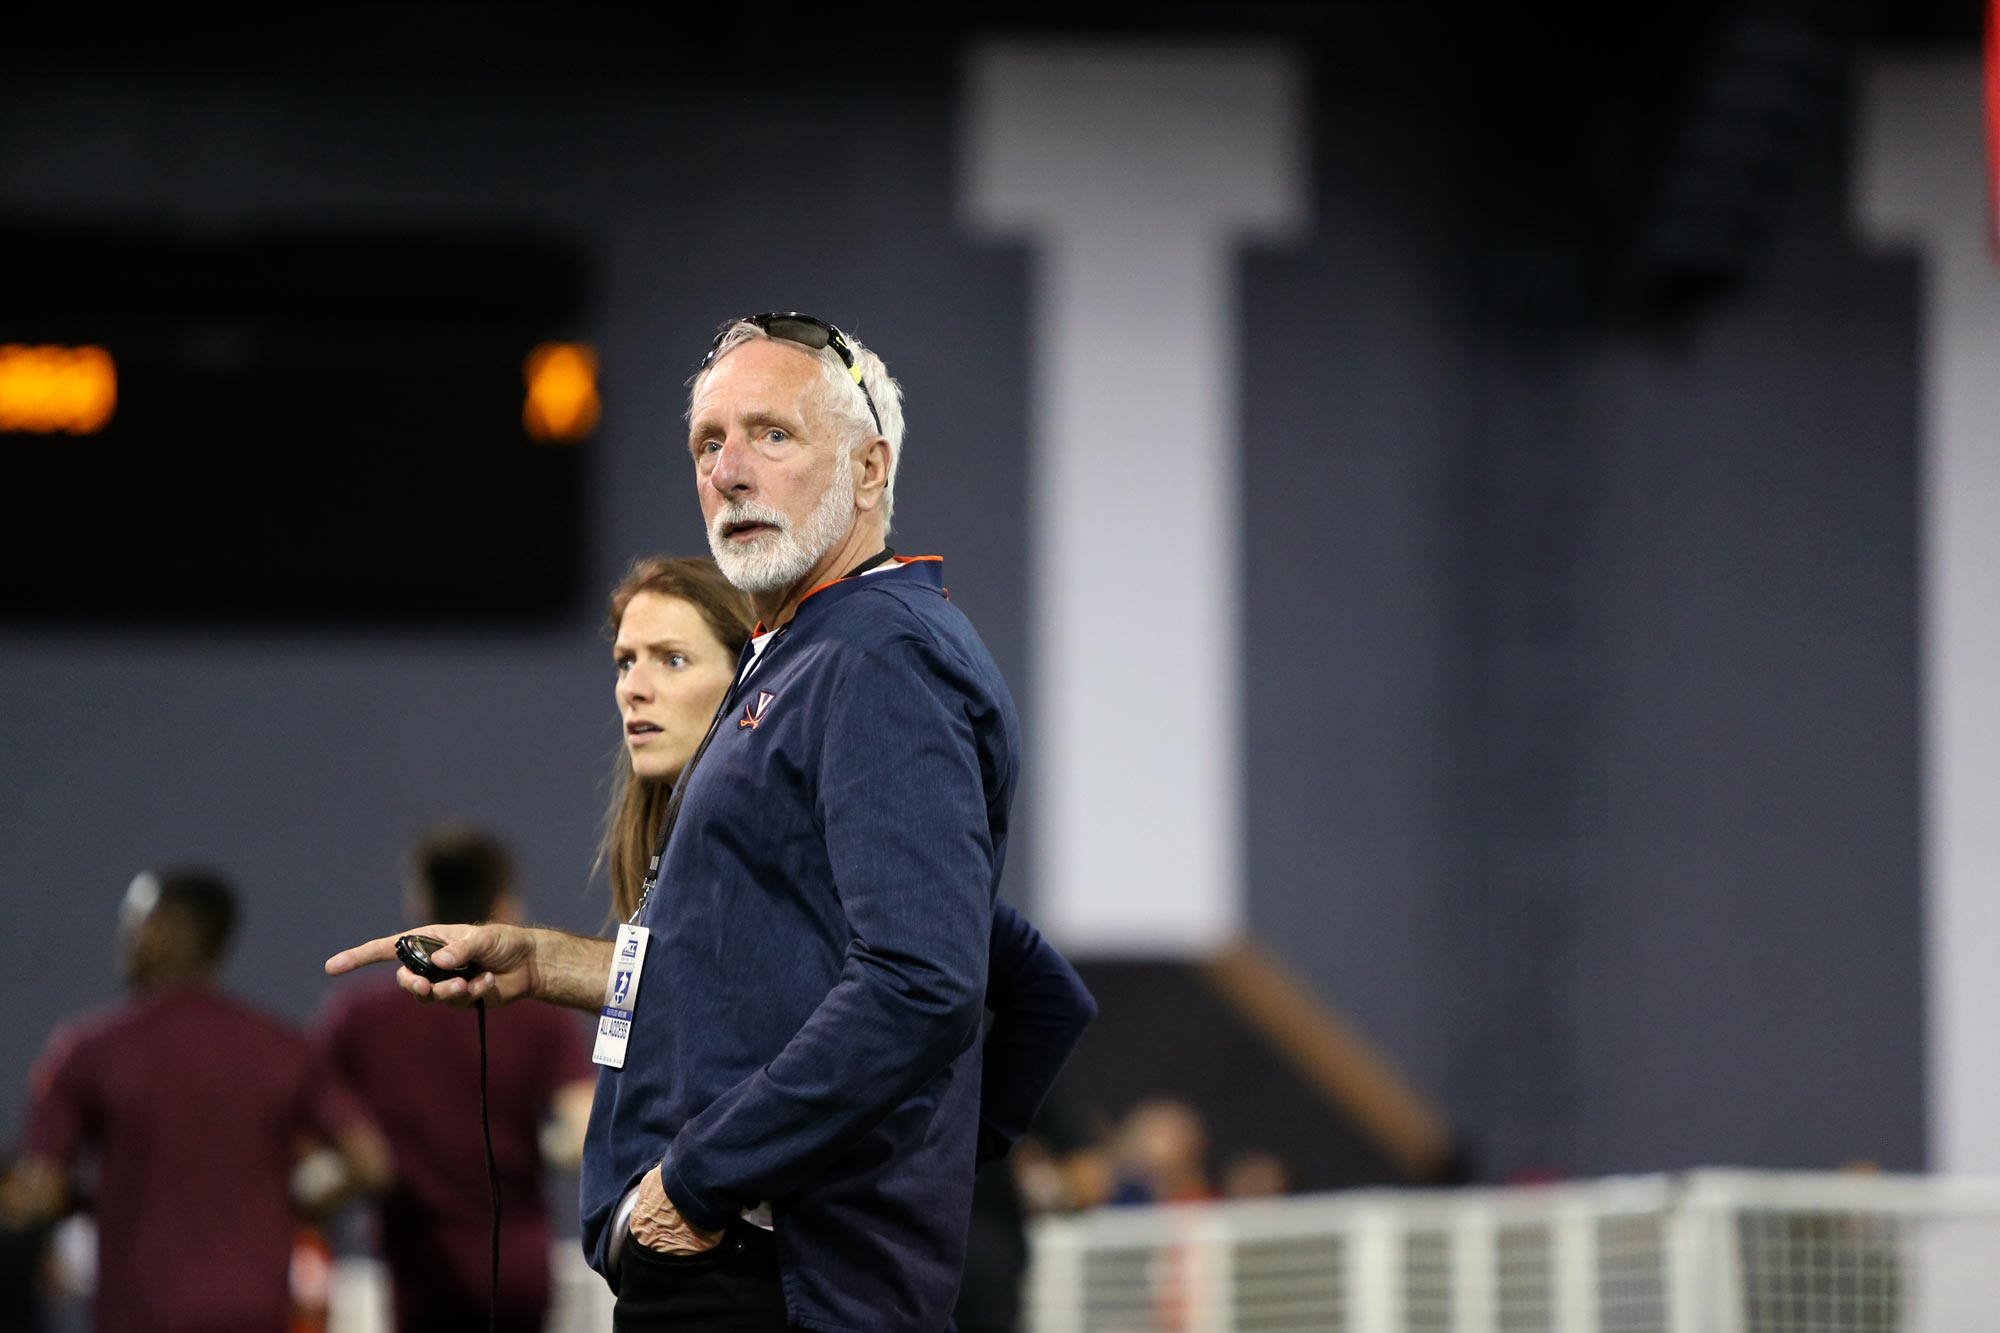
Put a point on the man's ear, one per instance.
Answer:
(871, 472)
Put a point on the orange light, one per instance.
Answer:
(46, 389)
(562, 392)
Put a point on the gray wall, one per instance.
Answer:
(1726, 963)
(1661, 907)
(1357, 367)
(1755, 986)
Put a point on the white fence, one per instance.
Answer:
(1707, 1252)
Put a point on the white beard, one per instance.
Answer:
(780, 558)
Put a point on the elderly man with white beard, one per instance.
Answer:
(785, 1128)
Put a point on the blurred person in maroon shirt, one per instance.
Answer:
(435, 1222)
(183, 1109)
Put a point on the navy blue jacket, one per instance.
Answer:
(807, 1030)
(1040, 1007)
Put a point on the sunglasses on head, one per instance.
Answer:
(807, 331)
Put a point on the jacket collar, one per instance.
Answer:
(925, 570)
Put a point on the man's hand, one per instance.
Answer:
(506, 953)
(518, 961)
(658, 1225)
(35, 1193)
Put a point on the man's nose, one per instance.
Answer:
(731, 474)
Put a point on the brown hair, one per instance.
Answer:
(632, 823)
(458, 873)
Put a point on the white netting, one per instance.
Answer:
(1710, 1252)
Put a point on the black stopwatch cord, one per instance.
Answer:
(492, 1172)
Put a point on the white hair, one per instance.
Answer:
(838, 398)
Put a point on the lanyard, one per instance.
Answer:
(746, 664)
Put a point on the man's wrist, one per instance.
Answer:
(569, 970)
(656, 1222)
(694, 1210)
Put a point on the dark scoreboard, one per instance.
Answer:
(354, 425)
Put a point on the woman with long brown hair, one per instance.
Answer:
(677, 629)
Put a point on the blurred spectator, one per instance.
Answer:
(1064, 1166)
(1161, 1154)
(417, 1071)
(188, 1104)
(1058, 1182)
(1255, 1174)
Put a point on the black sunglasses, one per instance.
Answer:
(806, 331)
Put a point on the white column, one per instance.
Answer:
(1136, 171)
(1921, 183)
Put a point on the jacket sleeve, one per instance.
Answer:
(1040, 1007)
(902, 804)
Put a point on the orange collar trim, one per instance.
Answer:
(898, 559)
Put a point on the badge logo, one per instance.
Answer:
(753, 714)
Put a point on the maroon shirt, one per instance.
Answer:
(416, 1069)
(193, 1105)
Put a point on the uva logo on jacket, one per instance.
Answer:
(754, 713)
